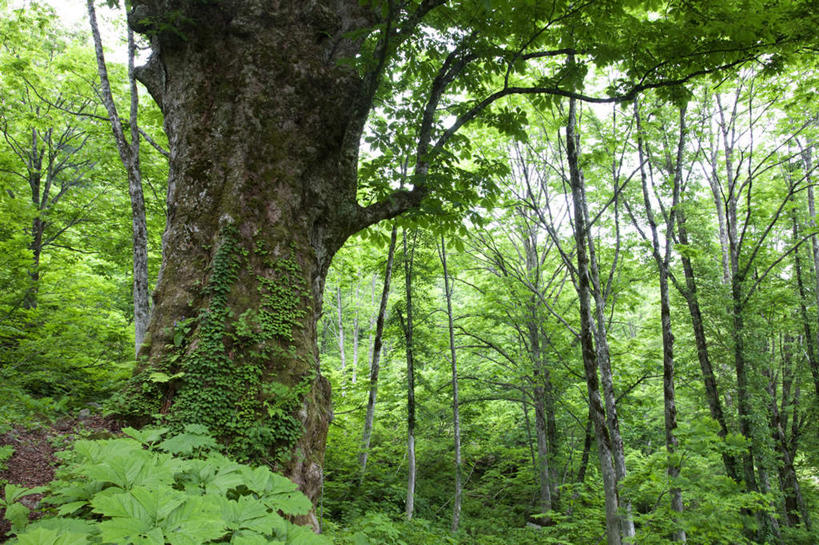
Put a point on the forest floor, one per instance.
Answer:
(33, 462)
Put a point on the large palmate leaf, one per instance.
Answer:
(44, 536)
(250, 514)
(214, 475)
(277, 492)
(141, 514)
(252, 538)
(195, 438)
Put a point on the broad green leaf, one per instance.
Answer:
(302, 535)
(13, 492)
(65, 525)
(196, 521)
(71, 507)
(251, 538)
(146, 436)
(249, 513)
(44, 536)
(124, 530)
(186, 443)
(17, 514)
(121, 505)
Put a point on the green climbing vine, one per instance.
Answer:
(220, 367)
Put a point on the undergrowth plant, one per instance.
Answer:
(153, 489)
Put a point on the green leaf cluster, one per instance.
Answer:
(151, 489)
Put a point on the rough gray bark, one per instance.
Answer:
(524, 405)
(376, 357)
(597, 413)
(607, 380)
(129, 155)
(456, 416)
(810, 340)
(264, 126)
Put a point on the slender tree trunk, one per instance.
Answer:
(541, 376)
(737, 280)
(355, 333)
(584, 457)
(697, 324)
(39, 197)
(129, 155)
(544, 478)
(36, 247)
(662, 262)
(375, 363)
(529, 440)
(789, 482)
(340, 324)
(324, 341)
(604, 363)
(807, 159)
(670, 403)
(748, 426)
(716, 195)
(598, 415)
(373, 318)
(456, 416)
(810, 340)
(408, 262)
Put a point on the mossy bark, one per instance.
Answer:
(264, 125)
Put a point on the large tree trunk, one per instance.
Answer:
(264, 126)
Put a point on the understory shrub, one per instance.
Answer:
(149, 489)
